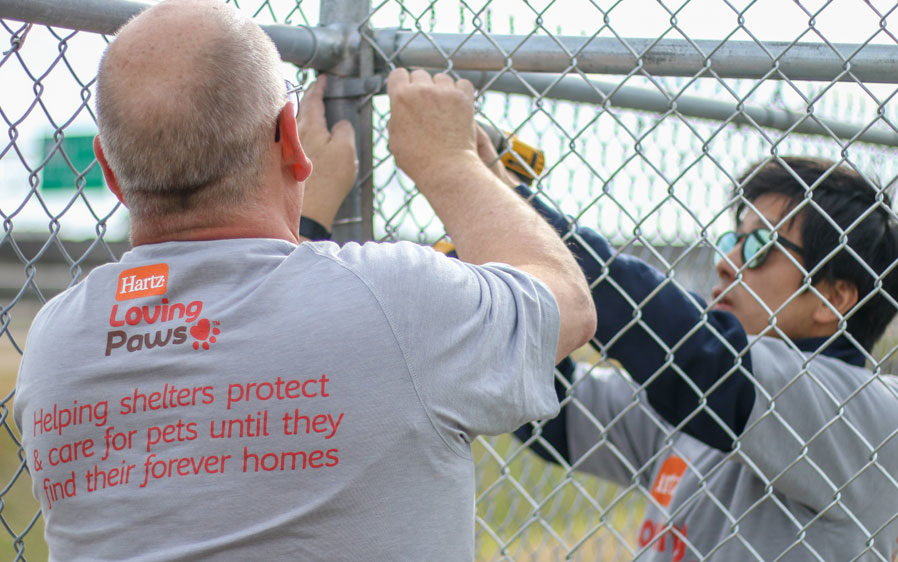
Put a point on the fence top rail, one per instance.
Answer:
(320, 48)
(323, 48)
(659, 57)
(575, 89)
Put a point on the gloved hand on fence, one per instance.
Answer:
(333, 155)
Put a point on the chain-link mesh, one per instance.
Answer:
(657, 183)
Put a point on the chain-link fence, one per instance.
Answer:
(647, 111)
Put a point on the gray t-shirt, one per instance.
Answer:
(814, 476)
(253, 400)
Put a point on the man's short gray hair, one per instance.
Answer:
(204, 141)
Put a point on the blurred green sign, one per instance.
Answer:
(58, 173)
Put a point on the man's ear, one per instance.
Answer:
(108, 174)
(840, 295)
(292, 153)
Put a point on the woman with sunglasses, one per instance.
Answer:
(752, 419)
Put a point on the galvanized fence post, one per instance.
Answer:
(347, 98)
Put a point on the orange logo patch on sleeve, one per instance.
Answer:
(145, 281)
(668, 479)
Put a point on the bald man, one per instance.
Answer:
(224, 392)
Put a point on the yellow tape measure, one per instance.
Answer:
(524, 160)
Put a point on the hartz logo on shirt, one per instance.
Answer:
(175, 322)
(668, 479)
(145, 281)
(664, 536)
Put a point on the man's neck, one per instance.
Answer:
(208, 233)
(208, 227)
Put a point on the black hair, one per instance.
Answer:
(844, 196)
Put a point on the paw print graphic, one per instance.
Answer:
(204, 333)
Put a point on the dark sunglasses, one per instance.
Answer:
(756, 247)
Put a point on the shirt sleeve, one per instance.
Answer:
(823, 433)
(692, 362)
(612, 433)
(479, 341)
(548, 438)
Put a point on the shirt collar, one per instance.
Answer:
(840, 348)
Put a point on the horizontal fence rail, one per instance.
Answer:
(577, 89)
(321, 48)
(658, 57)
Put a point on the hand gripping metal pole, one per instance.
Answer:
(355, 216)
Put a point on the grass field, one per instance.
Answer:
(530, 510)
(18, 508)
(527, 510)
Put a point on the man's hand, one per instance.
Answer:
(435, 141)
(431, 122)
(332, 153)
(490, 158)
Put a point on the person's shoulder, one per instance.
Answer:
(408, 268)
(772, 353)
(49, 308)
(73, 292)
(401, 255)
(59, 308)
(356, 250)
(100, 280)
(783, 353)
(778, 364)
(777, 350)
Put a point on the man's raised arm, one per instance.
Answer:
(433, 139)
